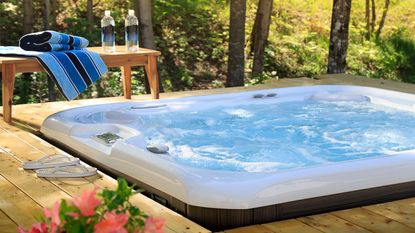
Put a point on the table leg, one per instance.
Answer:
(126, 80)
(8, 76)
(153, 79)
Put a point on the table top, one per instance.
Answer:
(119, 51)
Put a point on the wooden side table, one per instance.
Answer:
(10, 66)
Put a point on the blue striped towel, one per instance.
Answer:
(51, 41)
(72, 70)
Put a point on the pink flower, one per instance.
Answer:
(73, 214)
(113, 223)
(154, 225)
(36, 228)
(54, 216)
(87, 202)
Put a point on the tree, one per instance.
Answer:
(144, 9)
(54, 5)
(145, 14)
(259, 35)
(367, 17)
(339, 36)
(90, 16)
(27, 28)
(383, 19)
(46, 15)
(235, 75)
(27, 16)
(372, 25)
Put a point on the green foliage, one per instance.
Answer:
(71, 217)
(118, 200)
(403, 46)
(10, 12)
(193, 38)
(389, 58)
(295, 56)
(299, 37)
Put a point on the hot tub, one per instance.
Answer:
(245, 158)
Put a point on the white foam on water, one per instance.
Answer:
(211, 122)
(309, 156)
(274, 137)
(239, 112)
(220, 152)
(332, 139)
(308, 131)
(339, 97)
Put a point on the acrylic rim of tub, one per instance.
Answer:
(239, 190)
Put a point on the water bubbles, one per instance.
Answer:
(239, 112)
(276, 137)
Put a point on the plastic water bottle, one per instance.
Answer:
(131, 32)
(107, 33)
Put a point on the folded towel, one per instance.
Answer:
(72, 70)
(51, 41)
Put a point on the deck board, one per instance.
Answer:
(330, 223)
(372, 221)
(402, 211)
(6, 224)
(290, 226)
(23, 189)
(29, 183)
(250, 229)
(17, 205)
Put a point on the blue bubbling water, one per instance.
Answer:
(267, 138)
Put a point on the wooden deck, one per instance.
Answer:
(23, 195)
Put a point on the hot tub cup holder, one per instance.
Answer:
(107, 138)
(106, 134)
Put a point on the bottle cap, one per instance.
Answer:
(107, 13)
(131, 12)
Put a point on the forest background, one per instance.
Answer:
(192, 36)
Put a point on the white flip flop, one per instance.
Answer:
(51, 161)
(67, 172)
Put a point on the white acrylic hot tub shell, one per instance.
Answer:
(235, 190)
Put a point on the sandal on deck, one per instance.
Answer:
(67, 172)
(51, 161)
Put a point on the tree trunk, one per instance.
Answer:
(27, 16)
(46, 14)
(146, 24)
(53, 13)
(259, 35)
(373, 23)
(27, 28)
(90, 16)
(144, 10)
(382, 20)
(367, 17)
(235, 75)
(339, 36)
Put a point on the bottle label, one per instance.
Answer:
(108, 34)
(131, 34)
